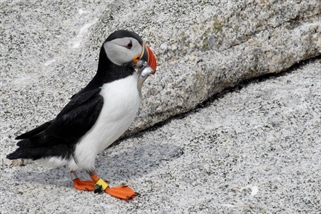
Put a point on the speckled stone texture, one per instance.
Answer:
(49, 50)
(206, 46)
(255, 149)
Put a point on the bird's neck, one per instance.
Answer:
(108, 72)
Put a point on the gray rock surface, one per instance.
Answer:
(204, 47)
(251, 150)
(49, 50)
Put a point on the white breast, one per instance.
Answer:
(121, 102)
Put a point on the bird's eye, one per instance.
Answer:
(129, 45)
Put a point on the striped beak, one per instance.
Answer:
(148, 56)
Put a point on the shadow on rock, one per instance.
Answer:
(123, 166)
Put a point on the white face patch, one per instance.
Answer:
(118, 50)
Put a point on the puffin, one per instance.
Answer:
(96, 116)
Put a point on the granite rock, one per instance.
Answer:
(50, 50)
(205, 47)
(251, 150)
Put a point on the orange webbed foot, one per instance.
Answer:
(121, 192)
(84, 185)
(98, 185)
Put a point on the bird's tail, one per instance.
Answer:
(25, 153)
(35, 153)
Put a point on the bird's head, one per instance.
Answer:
(126, 48)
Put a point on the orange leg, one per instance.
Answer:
(99, 185)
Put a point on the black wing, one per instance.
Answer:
(75, 119)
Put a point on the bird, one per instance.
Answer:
(96, 116)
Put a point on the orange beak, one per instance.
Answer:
(149, 57)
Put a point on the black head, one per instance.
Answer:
(125, 48)
(118, 56)
(124, 33)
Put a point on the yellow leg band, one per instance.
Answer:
(102, 183)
